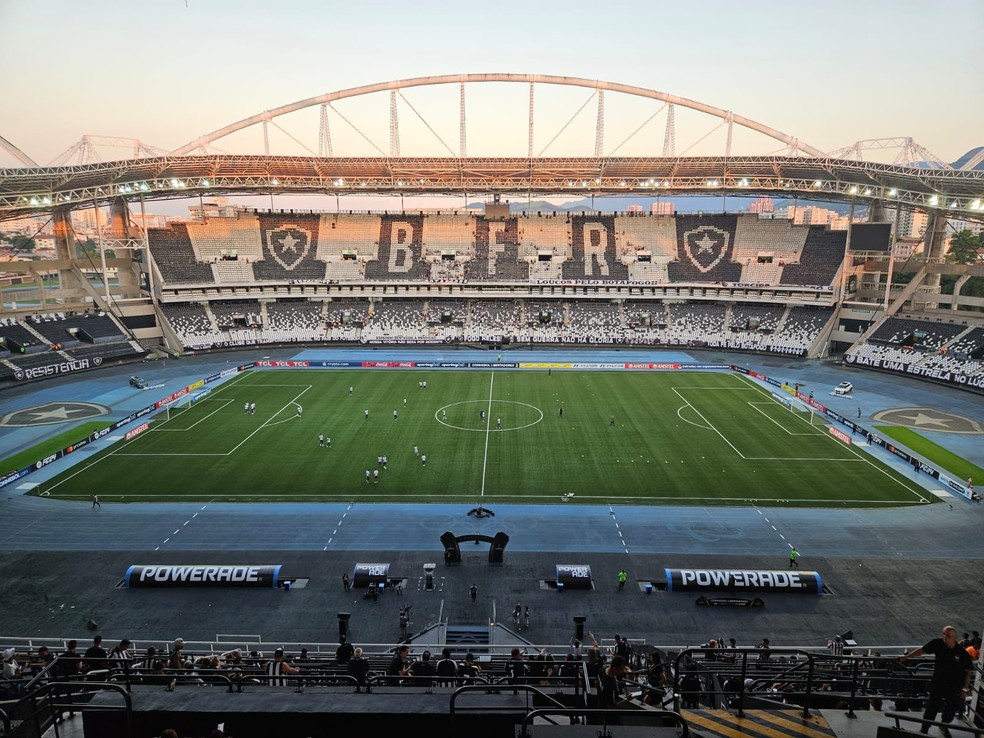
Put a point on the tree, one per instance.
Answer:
(964, 248)
(22, 243)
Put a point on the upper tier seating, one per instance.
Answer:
(705, 249)
(175, 257)
(460, 247)
(221, 237)
(290, 248)
(593, 250)
(823, 253)
(400, 250)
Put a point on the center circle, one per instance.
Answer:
(500, 415)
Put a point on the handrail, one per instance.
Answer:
(528, 689)
(681, 721)
(899, 717)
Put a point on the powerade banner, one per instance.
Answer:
(370, 574)
(743, 580)
(975, 381)
(574, 576)
(202, 575)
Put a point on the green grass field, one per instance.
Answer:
(932, 452)
(630, 438)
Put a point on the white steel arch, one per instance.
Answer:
(727, 117)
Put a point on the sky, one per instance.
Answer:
(167, 71)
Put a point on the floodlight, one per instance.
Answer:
(853, 190)
(818, 184)
(892, 192)
(933, 200)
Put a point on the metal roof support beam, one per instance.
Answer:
(394, 126)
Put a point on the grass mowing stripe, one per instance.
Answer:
(52, 445)
(932, 452)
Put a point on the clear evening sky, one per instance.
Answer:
(166, 71)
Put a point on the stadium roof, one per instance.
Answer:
(30, 190)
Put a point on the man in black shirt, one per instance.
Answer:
(344, 651)
(447, 668)
(398, 666)
(95, 655)
(952, 672)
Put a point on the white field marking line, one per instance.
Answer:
(709, 424)
(621, 538)
(755, 407)
(268, 422)
(488, 429)
(685, 420)
(858, 456)
(345, 496)
(337, 526)
(119, 452)
(225, 403)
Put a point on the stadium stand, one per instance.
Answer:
(497, 252)
(593, 250)
(400, 250)
(823, 253)
(294, 321)
(290, 248)
(921, 335)
(174, 256)
(705, 249)
(219, 239)
(191, 323)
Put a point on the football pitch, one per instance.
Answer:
(694, 438)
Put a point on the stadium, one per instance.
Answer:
(739, 427)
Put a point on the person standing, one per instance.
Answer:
(96, 503)
(252, 408)
(351, 390)
(859, 412)
(300, 410)
(473, 592)
(321, 439)
(346, 583)
(612, 421)
(245, 408)
(367, 476)
(366, 413)
(793, 555)
(952, 671)
(345, 650)
(394, 413)
(622, 577)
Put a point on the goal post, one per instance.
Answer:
(186, 402)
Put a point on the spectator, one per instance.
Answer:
(344, 651)
(952, 672)
(610, 683)
(516, 669)
(95, 655)
(398, 666)
(622, 648)
(120, 659)
(423, 671)
(836, 646)
(175, 659)
(358, 668)
(469, 669)
(447, 668)
(764, 650)
(278, 668)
